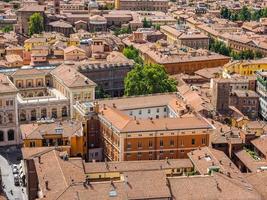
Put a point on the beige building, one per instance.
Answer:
(153, 5)
(74, 53)
(30, 95)
(8, 112)
(193, 39)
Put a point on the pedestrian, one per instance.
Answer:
(11, 192)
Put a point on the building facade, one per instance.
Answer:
(148, 128)
(154, 5)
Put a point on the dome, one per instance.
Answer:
(97, 19)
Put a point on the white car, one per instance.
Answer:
(15, 169)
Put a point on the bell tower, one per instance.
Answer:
(57, 6)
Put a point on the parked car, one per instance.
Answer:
(16, 180)
(15, 169)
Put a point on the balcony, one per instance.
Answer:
(53, 96)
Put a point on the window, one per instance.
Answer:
(203, 140)
(193, 141)
(129, 146)
(2, 136)
(165, 109)
(171, 142)
(43, 113)
(150, 143)
(150, 153)
(157, 110)
(139, 154)
(11, 135)
(139, 145)
(32, 144)
(171, 152)
(161, 152)
(161, 143)
(140, 112)
(148, 111)
(64, 111)
(131, 113)
(182, 142)
(10, 117)
(33, 115)
(54, 113)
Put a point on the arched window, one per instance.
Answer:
(22, 115)
(64, 111)
(2, 137)
(33, 115)
(54, 113)
(10, 135)
(43, 113)
(40, 94)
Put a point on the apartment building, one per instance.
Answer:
(245, 101)
(190, 38)
(154, 5)
(223, 87)
(66, 134)
(148, 127)
(244, 68)
(262, 91)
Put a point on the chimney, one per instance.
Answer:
(114, 105)
(104, 105)
(229, 174)
(39, 159)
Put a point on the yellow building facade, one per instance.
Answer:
(245, 68)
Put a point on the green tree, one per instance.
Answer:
(100, 93)
(225, 13)
(7, 28)
(258, 54)
(132, 53)
(146, 23)
(148, 79)
(157, 27)
(36, 24)
(244, 14)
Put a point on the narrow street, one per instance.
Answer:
(7, 158)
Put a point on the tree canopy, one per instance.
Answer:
(7, 28)
(221, 48)
(148, 79)
(245, 14)
(36, 24)
(133, 54)
(146, 23)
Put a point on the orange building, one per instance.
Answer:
(149, 127)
